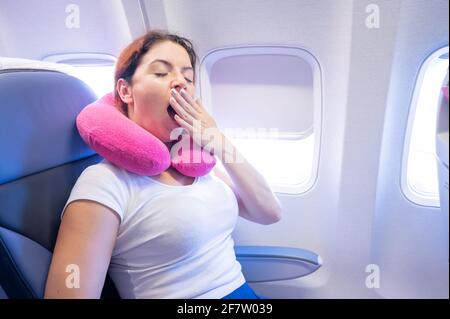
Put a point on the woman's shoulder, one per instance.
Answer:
(105, 165)
(105, 170)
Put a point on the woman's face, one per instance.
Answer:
(165, 66)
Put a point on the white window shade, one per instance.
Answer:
(268, 91)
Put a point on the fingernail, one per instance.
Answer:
(174, 92)
(183, 92)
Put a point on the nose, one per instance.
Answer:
(178, 87)
(178, 83)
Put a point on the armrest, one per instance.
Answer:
(271, 263)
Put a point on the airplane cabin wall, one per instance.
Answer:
(409, 240)
(37, 28)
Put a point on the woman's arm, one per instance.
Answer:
(255, 198)
(83, 251)
(257, 202)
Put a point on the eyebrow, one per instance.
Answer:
(186, 68)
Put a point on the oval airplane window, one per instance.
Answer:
(268, 100)
(419, 168)
(96, 70)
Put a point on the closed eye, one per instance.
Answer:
(160, 75)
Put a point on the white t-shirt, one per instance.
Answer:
(173, 241)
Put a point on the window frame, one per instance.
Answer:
(80, 60)
(210, 58)
(408, 190)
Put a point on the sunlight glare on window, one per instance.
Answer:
(422, 176)
(99, 78)
(283, 162)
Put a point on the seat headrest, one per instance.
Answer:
(38, 109)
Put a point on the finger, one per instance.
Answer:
(192, 102)
(199, 103)
(180, 110)
(184, 103)
(183, 123)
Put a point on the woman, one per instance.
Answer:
(165, 236)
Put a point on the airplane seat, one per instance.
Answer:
(41, 157)
(3, 294)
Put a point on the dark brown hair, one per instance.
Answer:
(131, 56)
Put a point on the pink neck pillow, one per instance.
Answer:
(124, 143)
